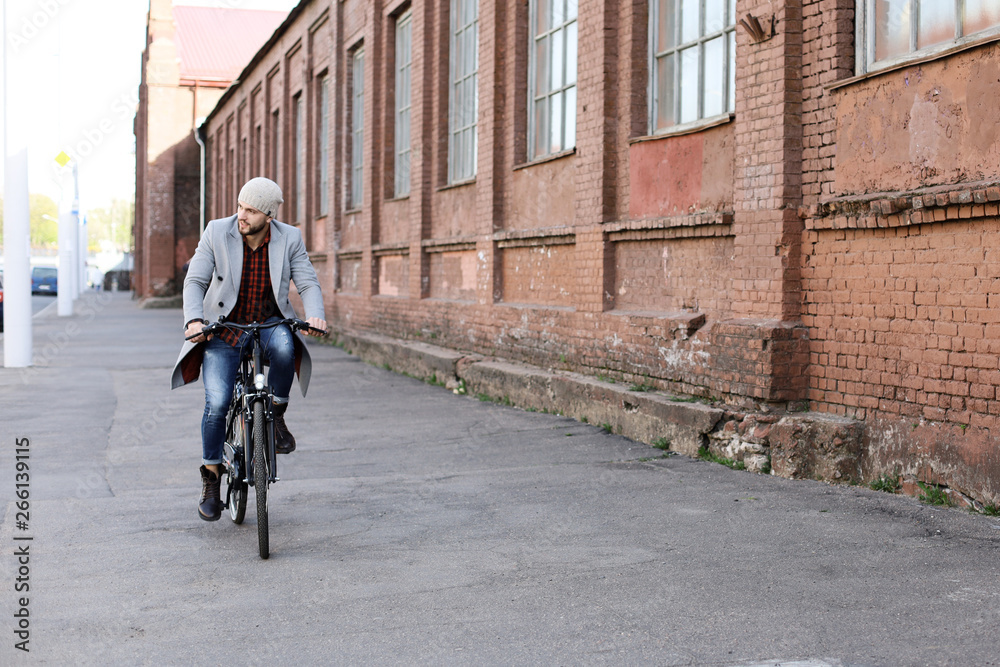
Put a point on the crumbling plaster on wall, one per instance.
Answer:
(930, 124)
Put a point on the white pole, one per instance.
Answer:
(84, 241)
(17, 346)
(80, 245)
(71, 250)
(69, 240)
(64, 299)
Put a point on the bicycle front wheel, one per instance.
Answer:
(260, 474)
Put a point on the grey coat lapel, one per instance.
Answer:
(234, 246)
(275, 259)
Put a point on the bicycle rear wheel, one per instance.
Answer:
(236, 493)
(237, 500)
(260, 474)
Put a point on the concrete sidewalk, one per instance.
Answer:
(415, 526)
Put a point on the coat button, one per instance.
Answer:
(222, 304)
(220, 277)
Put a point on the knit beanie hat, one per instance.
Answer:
(262, 194)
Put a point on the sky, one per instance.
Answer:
(78, 68)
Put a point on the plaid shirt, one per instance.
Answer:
(255, 302)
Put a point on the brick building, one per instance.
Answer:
(192, 55)
(774, 205)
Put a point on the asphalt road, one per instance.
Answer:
(41, 301)
(415, 526)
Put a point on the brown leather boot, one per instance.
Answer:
(210, 506)
(284, 442)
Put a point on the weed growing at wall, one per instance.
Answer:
(705, 454)
(932, 494)
(887, 483)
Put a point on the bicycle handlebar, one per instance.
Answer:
(295, 323)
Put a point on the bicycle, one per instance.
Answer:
(249, 449)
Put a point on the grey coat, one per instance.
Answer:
(212, 286)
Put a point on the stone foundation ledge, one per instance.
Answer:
(175, 301)
(420, 360)
(794, 445)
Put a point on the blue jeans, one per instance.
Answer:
(218, 368)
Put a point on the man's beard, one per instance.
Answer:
(253, 230)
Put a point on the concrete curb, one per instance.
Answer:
(800, 445)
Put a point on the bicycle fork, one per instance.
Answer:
(269, 437)
(261, 392)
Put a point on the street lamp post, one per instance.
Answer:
(17, 340)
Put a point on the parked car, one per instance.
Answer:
(44, 280)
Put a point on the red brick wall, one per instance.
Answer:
(394, 275)
(682, 175)
(826, 246)
(574, 233)
(898, 282)
(539, 273)
(654, 275)
(453, 275)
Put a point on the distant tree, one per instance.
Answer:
(43, 220)
(43, 214)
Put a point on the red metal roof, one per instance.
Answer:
(214, 45)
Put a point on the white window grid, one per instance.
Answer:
(463, 93)
(357, 128)
(692, 61)
(890, 32)
(404, 60)
(552, 73)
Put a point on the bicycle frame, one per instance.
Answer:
(245, 394)
(249, 388)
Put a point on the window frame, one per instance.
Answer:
(403, 103)
(866, 34)
(299, 160)
(355, 186)
(276, 145)
(323, 145)
(534, 99)
(241, 143)
(463, 139)
(728, 35)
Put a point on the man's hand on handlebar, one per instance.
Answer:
(318, 327)
(193, 330)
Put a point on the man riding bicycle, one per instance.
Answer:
(241, 272)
